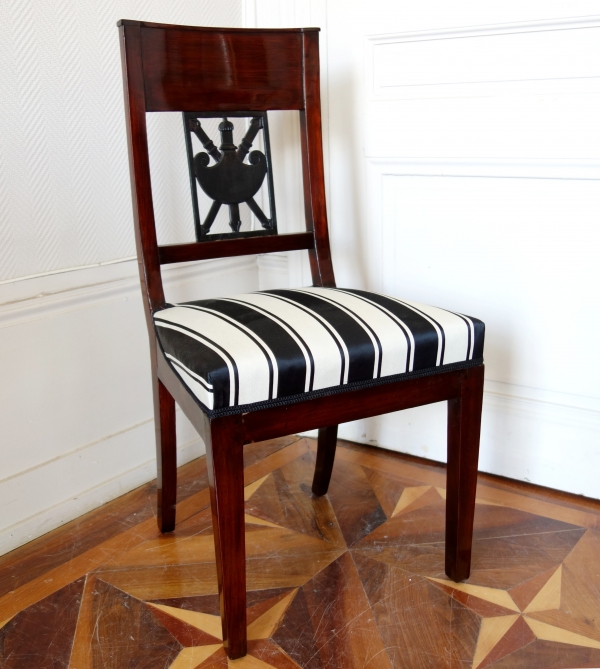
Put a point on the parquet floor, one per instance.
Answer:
(351, 580)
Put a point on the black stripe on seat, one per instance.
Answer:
(287, 327)
(430, 318)
(345, 308)
(186, 370)
(202, 306)
(479, 327)
(397, 322)
(291, 363)
(423, 332)
(201, 359)
(360, 347)
(331, 331)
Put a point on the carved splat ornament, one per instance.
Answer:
(230, 180)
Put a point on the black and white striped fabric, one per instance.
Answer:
(275, 347)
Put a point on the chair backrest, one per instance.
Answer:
(191, 69)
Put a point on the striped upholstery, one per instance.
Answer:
(275, 347)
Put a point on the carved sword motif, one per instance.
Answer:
(230, 181)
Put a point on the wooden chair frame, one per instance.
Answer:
(178, 68)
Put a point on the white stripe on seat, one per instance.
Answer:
(251, 334)
(378, 309)
(455, 331)
(161, 323)
(472, 330)
(320, 294)
(191, 380)
(325, 352)
(250, 360)
(287, 328)
(328, 327)
(415, 306)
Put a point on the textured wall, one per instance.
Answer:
(75, 399)
(64, 185)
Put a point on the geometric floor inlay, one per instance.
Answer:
(351, 580)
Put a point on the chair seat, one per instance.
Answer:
(276, 347)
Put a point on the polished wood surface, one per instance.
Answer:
(175, 68)
(326, 447)
(225, 458)
(313, 171)
(464, 425)
(352, 579)
(353, 405)
(139, 171)
(166, 456)
(227, 69)
(174, 253)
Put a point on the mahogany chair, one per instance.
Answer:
(273, 363)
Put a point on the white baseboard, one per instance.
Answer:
(543, 437)
(564, 409)
(92, 475)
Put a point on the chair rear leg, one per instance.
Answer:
(464, 424)
(166, 456)
(225, 460)
(325, 456)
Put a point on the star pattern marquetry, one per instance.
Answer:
(262, 626)
(496, 629)
(353, 580)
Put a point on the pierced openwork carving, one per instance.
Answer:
(234, 175)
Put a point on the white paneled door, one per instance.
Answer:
(464, 149)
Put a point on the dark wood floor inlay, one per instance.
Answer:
(42, 634)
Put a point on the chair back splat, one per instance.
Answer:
(227, 73)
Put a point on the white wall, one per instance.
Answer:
(479, 195)
(75, 400)
(464, 171)
(282, 270)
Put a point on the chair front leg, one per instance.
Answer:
(464, 425)
(325, 457)
(166, 456)
(225, 461)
